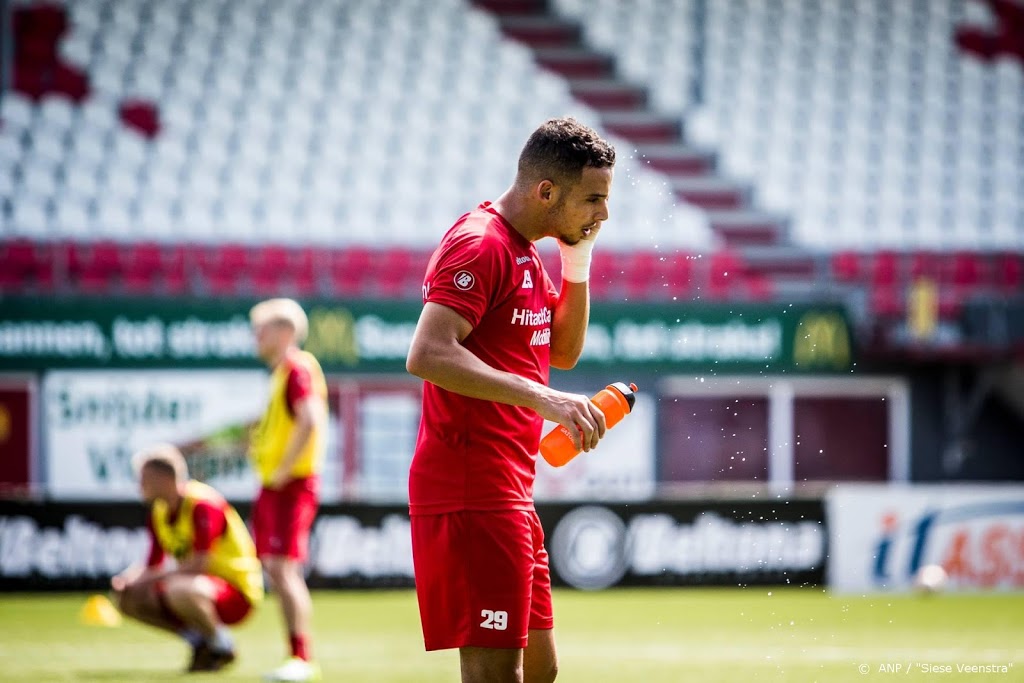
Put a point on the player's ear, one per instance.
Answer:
(546, 191)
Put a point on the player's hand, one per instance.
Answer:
(126, 578)
(577, 413)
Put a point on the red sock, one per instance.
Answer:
(300, 646)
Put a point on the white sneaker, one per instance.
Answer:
(295, 670)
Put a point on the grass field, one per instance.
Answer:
(621, 636)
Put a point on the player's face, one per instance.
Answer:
(584, 206)
(149, 484)
(270, 339)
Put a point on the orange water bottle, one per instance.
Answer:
(615, 401)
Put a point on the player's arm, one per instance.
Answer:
(572, 310)
(438, 356)
(569, 324)
(208, 524)
(140, 573)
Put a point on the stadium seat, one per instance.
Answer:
(846, 266)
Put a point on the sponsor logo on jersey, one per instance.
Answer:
(520, 260)
(464, 280)
(541, 337)
(527, 280)
(524, 316)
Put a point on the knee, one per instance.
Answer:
(276, 573)
(124, 602)
(546, 673)
(281, 572)
(129, 600)
(182, 590)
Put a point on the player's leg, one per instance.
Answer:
(145, 601)
(296, 604)
(290, 515)
(491, 665)
(473, 583)
(193, 599)
(141, 601)
(540, 660)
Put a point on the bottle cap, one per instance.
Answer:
(629, 392)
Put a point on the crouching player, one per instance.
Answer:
(217, 579)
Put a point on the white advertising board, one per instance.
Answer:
(95, 420)
(880, 537)
(620, 468)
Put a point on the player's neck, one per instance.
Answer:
(275, 361)
(517, 213)
(174, 499)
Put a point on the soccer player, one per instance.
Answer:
(492, 323)
(287, 450)
(217, 580)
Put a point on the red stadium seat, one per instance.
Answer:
(143, 267)
(348, 270)
(967, 270)
(886, 301)
(678, 274)
(94, 268)
(951, 303)
(760, 287)
(885, 269)
(1009, 274)
(725, 274)
(223, 269)
(925, 264)
(20, 260)
(307, 272)
(179, 261)
(846, 266)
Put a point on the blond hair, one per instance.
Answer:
(163, 456)
(287, 311)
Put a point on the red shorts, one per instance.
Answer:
(281, 519)
(231, 604)
(482, 578)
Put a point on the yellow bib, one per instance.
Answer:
(232, 555)
(271, 435)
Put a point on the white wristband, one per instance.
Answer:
(576, 260)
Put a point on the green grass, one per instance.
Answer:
(620, 636)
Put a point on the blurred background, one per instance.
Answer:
(814, 270)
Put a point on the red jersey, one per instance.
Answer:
(473, 454)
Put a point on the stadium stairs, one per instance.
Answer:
(755, 243)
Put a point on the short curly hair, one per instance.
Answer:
(560, 149)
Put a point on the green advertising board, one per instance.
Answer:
(373, 336)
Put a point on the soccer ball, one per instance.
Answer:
(930, 578)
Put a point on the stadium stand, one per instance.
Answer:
(246, 132)
(226, 147)
(873, 125)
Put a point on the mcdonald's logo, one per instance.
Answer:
(332, 336)
(822, 340)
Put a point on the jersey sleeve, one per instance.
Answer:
(208, 522)
(467, 276)
(299, 386)
(156, 551)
